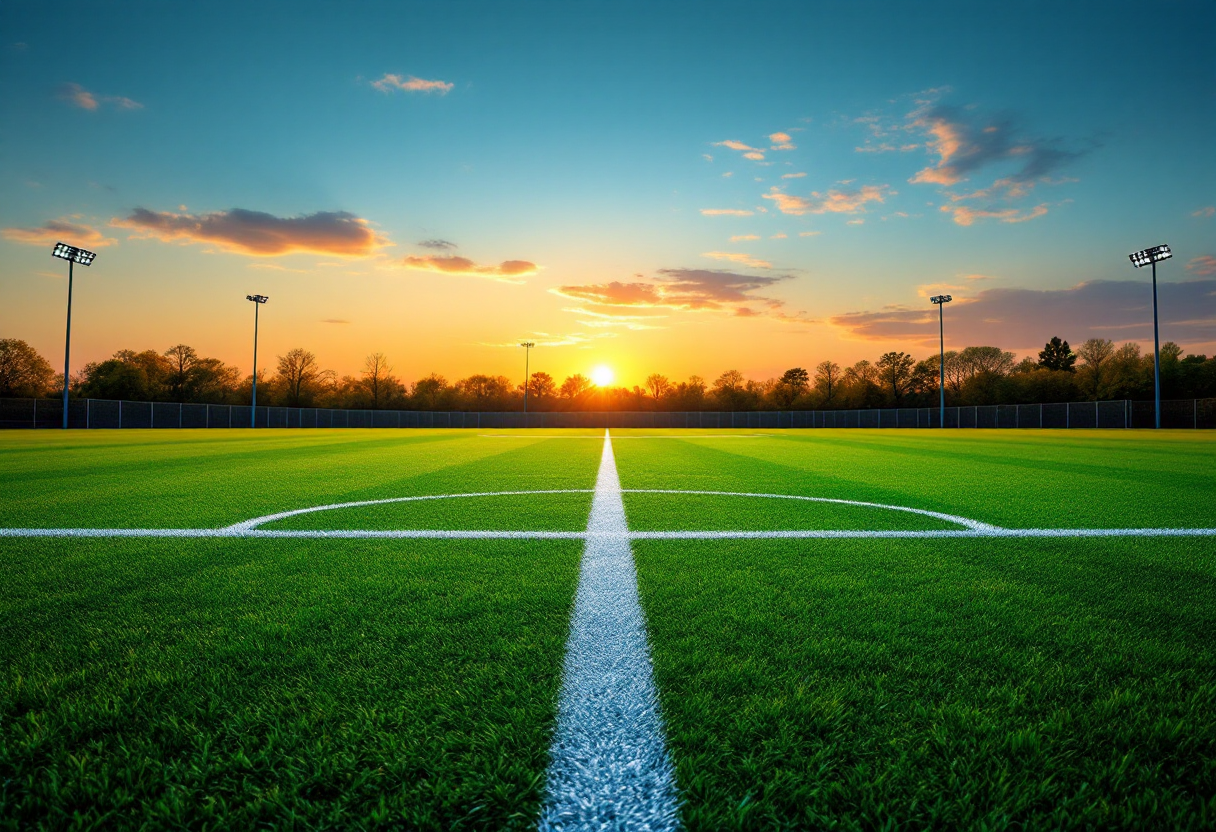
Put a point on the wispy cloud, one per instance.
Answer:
(1026, 318)
(1204, 265)
(441, 245)
(725, 212)
(809, 233)
(78, 96)
(508, 271)
(792, 175)
(830, 202)
(257, 233)
(60, 230)
(334, 321)
(549, 339)
(392, 82)
(749, 152)
(967, 216)
(739, 257)
(1206, 211)
(741, 237)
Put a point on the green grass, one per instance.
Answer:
(227, 684)
(882, 684)
(849, 684)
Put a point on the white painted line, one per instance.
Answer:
(609, 767)
(641, 436)
(245, 525)
(974, 525)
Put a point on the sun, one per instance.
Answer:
(602, 376)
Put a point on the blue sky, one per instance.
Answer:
(1011, 154)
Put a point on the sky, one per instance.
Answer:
(681, 188)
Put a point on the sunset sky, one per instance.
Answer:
(682, 188)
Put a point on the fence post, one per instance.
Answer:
(1195, 417)
(179, 415)
(1096, 413)
(88, 414)
(120, 414)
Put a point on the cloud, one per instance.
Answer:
(442, 245)
(728, 174)
(256, 233)
(548, 339)
(683, 289)
(792, 175)
(781, 141)
(754, 154)
(967, 216)
(734, 145)
(60, 230)
(856, 222)
(508, 271)
(725, 212)
(392, 82)
(965, 144)
(1203, 265)
(740, 258)
(334, 321)
(1024, 319)
(831, 202)
(600, 320)
(78, 96)
(741, 237)
(780, 235)
(1206, 211)
(809, 233)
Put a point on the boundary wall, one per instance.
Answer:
(105, 414)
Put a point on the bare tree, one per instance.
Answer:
(827, 376)
(658, 385)
(184, 359)
(377, 378)
(895, 369)
(298, 370)
(1095, 355)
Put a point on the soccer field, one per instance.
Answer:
(375, 629)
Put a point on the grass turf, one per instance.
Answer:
(848, 684)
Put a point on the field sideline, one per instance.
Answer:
(842, 628)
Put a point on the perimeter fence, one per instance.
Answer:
(106, 414)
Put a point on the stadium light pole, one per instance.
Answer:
(1151, 256)
(527, 345)
(73, 255)
(941, 301)
(258, 300)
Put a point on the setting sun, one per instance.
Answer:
(602, 376)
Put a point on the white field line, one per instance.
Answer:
(609, 767)
(619, 438)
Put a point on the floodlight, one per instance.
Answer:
(85, 258)
(941, 301)
(1151, 257)
(527, 345)
(258, 300)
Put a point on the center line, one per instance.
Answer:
(609, 767)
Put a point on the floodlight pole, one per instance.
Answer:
(1140, 259)
(941, 301)
(527, 345)
(258, 300)
(67, 348)
(1156, 356)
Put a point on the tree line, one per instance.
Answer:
(1097, 370)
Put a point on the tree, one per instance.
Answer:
(182, 358)
(298, 370)
(575, 386)
(23, 372)
(796, 379)
(482, 392)
(1095, 355)
(976, 360)
(657, 385)
(827, 376)
(377, 378)
(1057, 355)
(431, 393)
(895, 370)
(542, 386)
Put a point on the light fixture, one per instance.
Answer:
(1151, 257)
(85, 258)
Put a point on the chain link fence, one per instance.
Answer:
(98, 413)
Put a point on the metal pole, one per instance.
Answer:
(253, 406)
(67, 349)
(1156, 354)
(941, 335)
(527, 350)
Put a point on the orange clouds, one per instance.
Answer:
(687, 289)
(54, 231)
(1203, 265)
(831, 202)
(508, 271)
(78, 96)
(257, 233)
(725, 212)
(781, 141)
(392, 82)
(749, 152)
(966, 216)
(739, 257)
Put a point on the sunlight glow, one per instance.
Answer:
(602, 376)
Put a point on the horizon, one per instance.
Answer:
(626, 197)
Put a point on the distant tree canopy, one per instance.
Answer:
(1097, 369)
